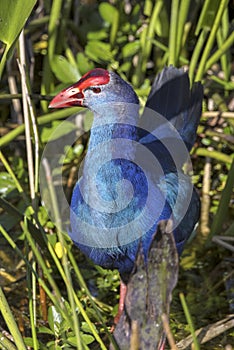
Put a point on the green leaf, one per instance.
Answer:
(54, 319)
(64, 70)
(97, 35)
(85, 327)
(56, 131)
(45, 330)
(108, 12)
(52, 239)
(29, 342)
(7, 183)
(87, 338)
(88, 120)
(13, 16)
(131, 49)
(43, 217)
(162, 24)
(99, 51)
(125, 67)
(83, 63)
(78, 150)
(208, 14)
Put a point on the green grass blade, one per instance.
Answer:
(226, 32)
(16, 181)
(219, 156)
(65, 272)
(172, 59)
(211, 39)
(54, 27)
(44, 119)
(196, 53)
(190, 321)
(222, 35)
(182, 16)
(57, 299)
(146, 42)
(150, 34)
(203, 16)
(10, 321)
(84, 286)
(218, 53)
(31, 282)
(114, 29)
(47, 83)
(222, 210)
(4, 59)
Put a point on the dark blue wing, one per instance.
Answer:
(172, 98)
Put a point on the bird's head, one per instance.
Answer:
(96, 87)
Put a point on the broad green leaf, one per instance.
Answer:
(125, 67)
(55, 131)
(45, 330)
(13, 16)
(43, 216)
(54, 319)
(88, 120)
(131, 49)
(29, 342)
(110, 15)
(52, 239)
(99, 51)
(83, 63)
(97, 35)
(64, 70)
(86, 328)
(87, 339)
(108, 12)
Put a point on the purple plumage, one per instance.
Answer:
(132, 175)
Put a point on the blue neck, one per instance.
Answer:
(113, 139)
(112, 121)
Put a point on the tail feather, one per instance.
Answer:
(170, 92)
(172, 98)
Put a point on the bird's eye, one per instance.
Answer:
(96, 90)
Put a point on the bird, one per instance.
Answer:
(132, 176)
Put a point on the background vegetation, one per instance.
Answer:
(53, 298)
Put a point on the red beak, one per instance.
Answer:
(69, 97)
